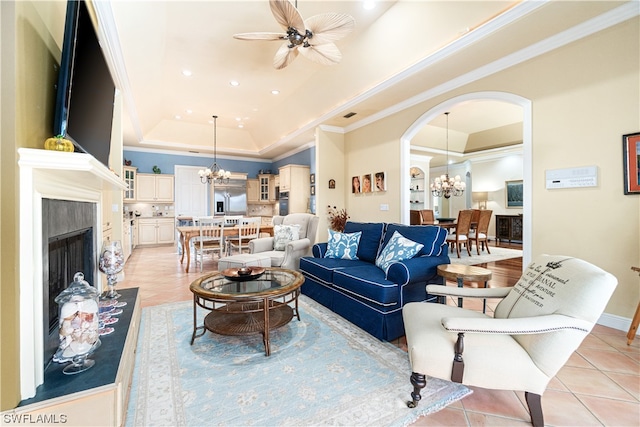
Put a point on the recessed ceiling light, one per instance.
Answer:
(368, 4)
(234, 83)
(189, 111)
(238, 119)
(275, 92)
(240, 125)
(178, 117)
(186, 73)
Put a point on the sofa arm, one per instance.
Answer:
(293, 251)
(261, 244)
(319, 249)
(419, 269)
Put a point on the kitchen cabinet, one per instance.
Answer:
(253, 191)
(294, 179)
(130, 174)
(154, 187)
(509, 227)
(155, 231)
(267, 188)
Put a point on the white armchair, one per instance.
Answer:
(289, 257)
(536, 327)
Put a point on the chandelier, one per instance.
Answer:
(445, 186)
(214, 174)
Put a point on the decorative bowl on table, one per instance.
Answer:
(243, 273)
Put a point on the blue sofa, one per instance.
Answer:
(361, 292)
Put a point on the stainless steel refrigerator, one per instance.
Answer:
(230, 198)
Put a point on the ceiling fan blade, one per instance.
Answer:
(260, 36)
(324, 54)
(329, 27)
(286, 14)
(284, 56)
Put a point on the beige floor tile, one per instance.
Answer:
(631, 383)
(446, 417)
(495, 402)
(565, 409)
(591, 382)
(611, 412)
(612, 361)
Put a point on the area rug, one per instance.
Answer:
(497, 254)
(322, 371)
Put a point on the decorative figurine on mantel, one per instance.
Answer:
(78, 325)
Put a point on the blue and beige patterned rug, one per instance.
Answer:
(322, 371)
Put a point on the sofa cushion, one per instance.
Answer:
(343, 245)
(284, 234)
(433, 238)
(398, 248)
(323, 268)
(366, 282)
(300, 219)
(277, 257)
(370, 241)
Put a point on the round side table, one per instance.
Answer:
(465, 273)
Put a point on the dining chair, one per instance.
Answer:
(427, 216)
(248, 229)
(479, 234)
(461, 234)
(210, 238)
(232, 220)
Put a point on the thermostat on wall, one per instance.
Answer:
(586, 176)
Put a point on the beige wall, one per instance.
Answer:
(30, 53)
(330, 164)
(584, 98)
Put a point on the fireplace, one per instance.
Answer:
(67, 236)
(74, 184)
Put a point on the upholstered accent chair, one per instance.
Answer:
(536, 327)
(294, 235)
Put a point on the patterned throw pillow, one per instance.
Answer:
(343, 245)
(398, 248)
(283, 234)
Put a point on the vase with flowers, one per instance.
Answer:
(337, 218)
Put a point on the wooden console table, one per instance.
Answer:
(98, 396)
(509, 227)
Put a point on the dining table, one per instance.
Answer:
(188, 232)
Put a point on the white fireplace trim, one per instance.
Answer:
(49, 175)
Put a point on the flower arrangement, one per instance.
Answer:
(337, 218)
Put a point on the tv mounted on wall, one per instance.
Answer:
(85, 89)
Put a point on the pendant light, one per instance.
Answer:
(445, 186)
(214, 174)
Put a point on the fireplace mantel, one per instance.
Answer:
(53, 175)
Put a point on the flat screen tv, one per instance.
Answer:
(85, 90)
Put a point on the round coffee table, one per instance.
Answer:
(246, 307)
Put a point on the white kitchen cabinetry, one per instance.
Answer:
(294, 179)
(154, 187)
(267, 188)
(130, 178)
(155, 231)
(253, 191)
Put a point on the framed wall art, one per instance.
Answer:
(380, 181)
(312, 178)
(631, 157)
(313, 190)
(355, 184)
(367, 186)
(514, 194)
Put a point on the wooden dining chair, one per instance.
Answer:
(427, 216)
(248, 229)
(461, 234)
(479, 234)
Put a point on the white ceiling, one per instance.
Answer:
(398, 50)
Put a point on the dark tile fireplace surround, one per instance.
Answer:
(67, 248)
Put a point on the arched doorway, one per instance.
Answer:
(447, 105)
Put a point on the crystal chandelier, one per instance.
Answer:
(445, 186)
(214, 174)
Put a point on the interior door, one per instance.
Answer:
(191, 193)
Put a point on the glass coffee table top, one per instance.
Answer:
(276, 281)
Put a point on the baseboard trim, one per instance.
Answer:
(615, 322)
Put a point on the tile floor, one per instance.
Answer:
(599, 385)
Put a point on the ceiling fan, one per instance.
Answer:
(313, 38)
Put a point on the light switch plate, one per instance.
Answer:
(384, 207)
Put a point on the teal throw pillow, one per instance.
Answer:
(283, 234)
(398, 248)
(343, 245)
